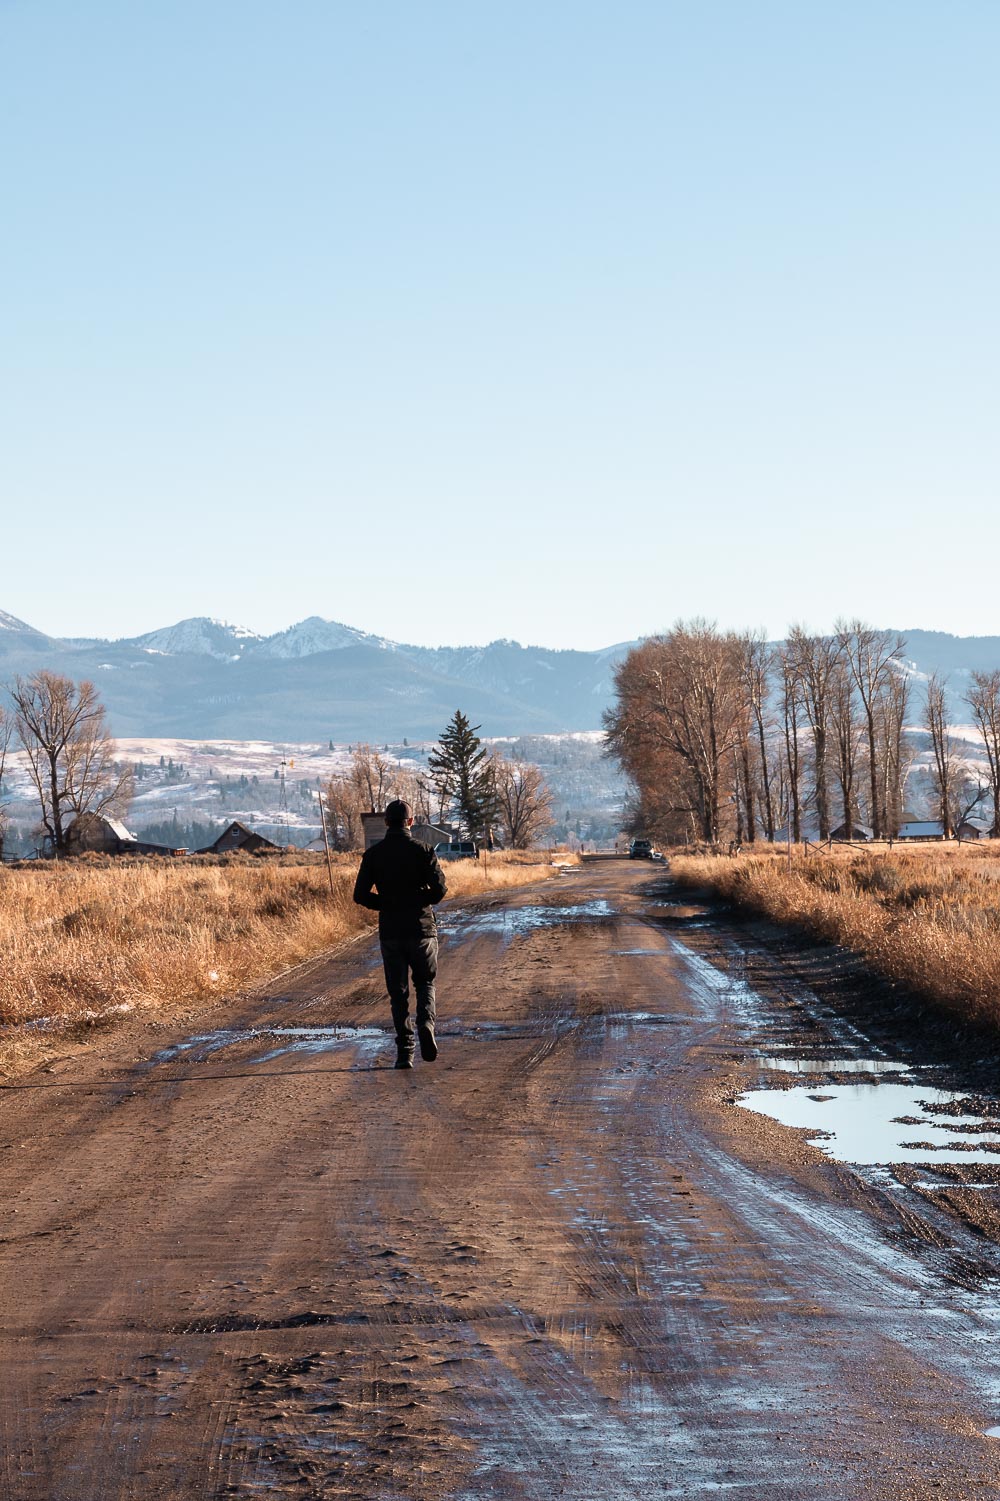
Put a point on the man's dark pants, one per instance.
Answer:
(400, 957)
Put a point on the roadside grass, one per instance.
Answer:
(928, 918)
(89, 941)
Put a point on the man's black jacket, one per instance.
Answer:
(408, 879)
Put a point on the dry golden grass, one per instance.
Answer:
(86, 941)
(928, 918)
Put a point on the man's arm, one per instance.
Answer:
(364, 893)
(436, 885)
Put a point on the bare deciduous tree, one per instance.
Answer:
(792, 716)
(755, 664)
(895, 754)
(369, 783)
(6, 732)
(872, 655)
(943, 749)
(676, 723)
(815, 660)
(983, 698)
(523, 802)
(846, 736)
(63, 731)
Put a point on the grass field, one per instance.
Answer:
(927, 917)
(86, 941)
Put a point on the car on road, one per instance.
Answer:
(640, 849)
(458, 849)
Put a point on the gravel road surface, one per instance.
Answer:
(249, 1258)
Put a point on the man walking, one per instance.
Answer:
(407, 882)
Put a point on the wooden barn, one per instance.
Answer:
(921, 828)
(236, 836)
(855, 833)
(432, 834)
(94, 833)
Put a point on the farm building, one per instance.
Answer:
(93, 833)
(973, 828)
(236, 836)
(432, 834)
(855, 833)
(921, 828)
(374, 827)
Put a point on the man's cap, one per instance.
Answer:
(398, 813)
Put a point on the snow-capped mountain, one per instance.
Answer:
(17, 627)
(316, 635)
(200, 636)
(321, 679)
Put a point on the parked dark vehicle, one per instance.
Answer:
(459, 849)
(640, 849)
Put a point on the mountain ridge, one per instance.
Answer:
(318, 679)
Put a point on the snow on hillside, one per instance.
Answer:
(11, 623)
(315, 635)
(200, 635)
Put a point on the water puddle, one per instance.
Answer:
(991, 1433)
(515, 922)
(876, 1066)
(871, 1125)
(292, 1040)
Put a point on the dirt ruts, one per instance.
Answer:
(251, 1259)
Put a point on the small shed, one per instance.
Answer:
(855, 833)
(921, 828)
(236, 836)
(973, 828)
(432, 834)
(374, 828)
(96, 833)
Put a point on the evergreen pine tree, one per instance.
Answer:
(463, 777)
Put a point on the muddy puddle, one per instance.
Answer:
(517, 922)
(875, 1124)
(287, 1039)
(855, 1106)
(879, 1067)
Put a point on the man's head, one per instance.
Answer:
(398, 814)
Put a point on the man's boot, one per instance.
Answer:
(428, 1046)
(404, 1055)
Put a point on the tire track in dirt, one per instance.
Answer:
(554, 1264)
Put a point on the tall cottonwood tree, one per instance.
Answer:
(6, 733)
(815, 660)
(895, 755)
(845, 735)
(524, 805)
(873, 657)
(676, 724)
(946, 769)
(792, 716)
(983, 698)
(755, 664)
(63, 731)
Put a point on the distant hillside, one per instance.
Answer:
(318, 680)
(322, 680)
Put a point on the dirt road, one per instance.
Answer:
(254, 1260)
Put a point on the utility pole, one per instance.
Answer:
(326, 841)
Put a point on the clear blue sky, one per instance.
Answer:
(458, 320)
